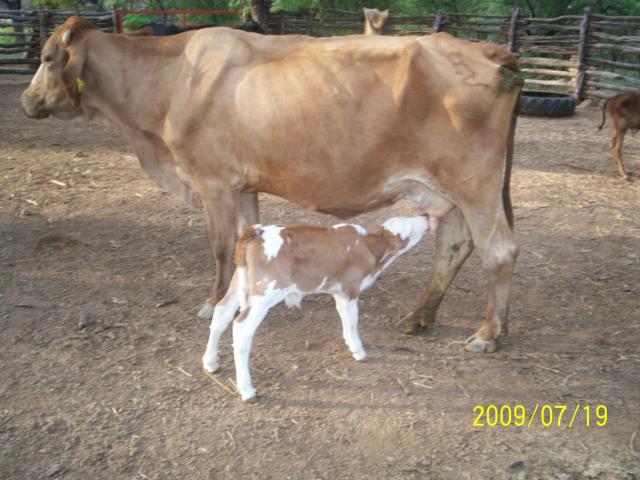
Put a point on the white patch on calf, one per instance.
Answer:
(368, 281)
(411, 228)
(358, 228)
(293, 300)
(323, 283)
(272, 241)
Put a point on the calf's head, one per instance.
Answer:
(56, 88)
(409, 229)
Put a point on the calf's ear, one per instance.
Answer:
(395, 244)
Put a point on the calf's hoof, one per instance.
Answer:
(249, 396)
(210, 367)
(206, 311)
(476, 345)
(360, 356)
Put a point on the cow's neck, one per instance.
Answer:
(128, 81)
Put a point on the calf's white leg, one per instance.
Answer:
(223, 313)
(348, 311)
(244, 328)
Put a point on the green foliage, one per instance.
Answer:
(538, 8)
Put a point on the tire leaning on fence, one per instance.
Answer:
(547, 104)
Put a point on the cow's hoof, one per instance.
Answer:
(211, 367)
(474, 344)
(415, 322)
(206, 311)
(411, 324)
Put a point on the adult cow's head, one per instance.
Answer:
(56, 88)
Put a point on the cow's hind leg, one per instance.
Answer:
(616, 149)
(498, 250)
(453, 246)
(222, 315)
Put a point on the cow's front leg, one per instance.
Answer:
(453, 246)
(221, 215)
(249, 212)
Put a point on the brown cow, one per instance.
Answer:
(340, 125)
(624, 110)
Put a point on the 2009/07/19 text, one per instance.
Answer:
(544, 415)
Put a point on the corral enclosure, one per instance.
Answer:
(589, 55)
(86, 237)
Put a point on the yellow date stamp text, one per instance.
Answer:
(559, 416)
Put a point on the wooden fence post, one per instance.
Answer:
(582, 54)
(310, 23)
(437, 23)
(42, 26)
(114, 18)
(512, 35)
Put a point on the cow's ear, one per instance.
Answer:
(72, 73)
(70, 40)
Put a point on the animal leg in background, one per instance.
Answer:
(616, 148)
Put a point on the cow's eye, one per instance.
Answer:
(47, 58)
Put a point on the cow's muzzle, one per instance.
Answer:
(31, 107)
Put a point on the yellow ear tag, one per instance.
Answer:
(79, 84)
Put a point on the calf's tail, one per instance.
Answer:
(604, 113)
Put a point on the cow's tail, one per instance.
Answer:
(604, 113)
(506, 191)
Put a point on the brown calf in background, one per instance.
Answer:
(624, 110)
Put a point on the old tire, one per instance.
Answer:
(547, 104)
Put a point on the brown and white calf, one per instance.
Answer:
(624, 110)
(276, 263)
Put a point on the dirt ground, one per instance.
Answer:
(86, 237)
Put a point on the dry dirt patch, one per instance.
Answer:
(122, 395)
